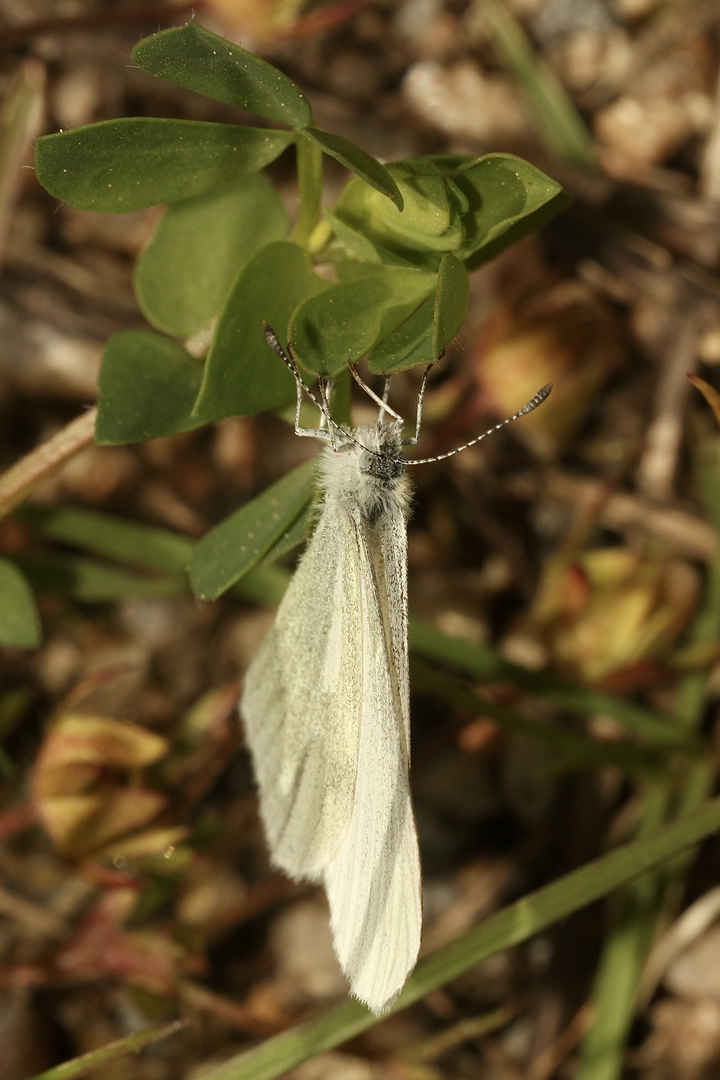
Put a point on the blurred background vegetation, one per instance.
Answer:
(566, 571)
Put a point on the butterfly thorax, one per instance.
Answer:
(370, 472)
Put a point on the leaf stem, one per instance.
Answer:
(309, 173)
(45, 460)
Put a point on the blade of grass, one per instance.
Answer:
(602, 1051)
(91, 582)
(560, 125)
(511, 926)
(131, 542)
(648, 905)
(131, 1044)
(161, 549)
(482, 663)
(145, 546)
(574, 750)
(20, 122)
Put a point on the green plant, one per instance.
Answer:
(400, 241)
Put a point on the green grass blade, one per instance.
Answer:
(561, 127)
(649, 904)
(573, 749)
(131, 1044)
(483, 663)
(512, 925)
(103, 534)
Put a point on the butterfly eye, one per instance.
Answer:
(365, 461)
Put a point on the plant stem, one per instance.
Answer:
(309, 172)
(45, 460)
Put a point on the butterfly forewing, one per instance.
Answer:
(302, 705)
(373, 881)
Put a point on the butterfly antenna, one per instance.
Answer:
(535, 400)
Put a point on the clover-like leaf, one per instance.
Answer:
(242, 375)
(507, 198)
(359, 162)
(344, 321)
(148, 386)
(430, 224)
(237, 544)
(193, 57)
(183, 276)
(19, 619)
(429, 328)
(121, 165)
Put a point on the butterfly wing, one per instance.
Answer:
(373, 879)
(302, 703)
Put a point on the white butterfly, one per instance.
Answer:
(326, 706)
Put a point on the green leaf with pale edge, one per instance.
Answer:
(193, 57)
(410, 344)
(360, 163)
(508, 198)
(148, 386)
(242, 374)
(19, 619)
(183, 276)
(514, 924)
(121, 165)
(451, 300)
(343, 322)
(421, 338)
(238, 544)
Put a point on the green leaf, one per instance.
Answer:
(358, 247)
(183, 276)
(128, 164)
(507, 198)
(451, 300)
(421, 338)
(90, 582)
(239, 543)
(148, 386)
(341, 323)
(364, 166)
(472, 207)
(512, 925)
(430, 224)
(19, 619)
(409, 344)
(191, 56)
(297, 533)
(113, 537)
(242, 374)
